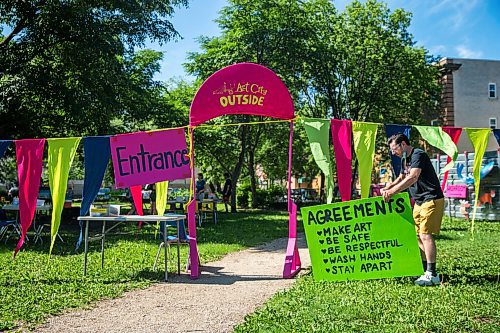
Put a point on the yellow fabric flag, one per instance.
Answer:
(364, 137)
(479, 138)
(161, 197)
(61, 154)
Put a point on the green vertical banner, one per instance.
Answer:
(438, 138)
(364, 136)
(61, 153)
(362, 239)
(161, 197)
(479, 138)
(318, 133)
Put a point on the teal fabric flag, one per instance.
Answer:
(318, 133)
(364, 136)
(479, 138)
(438, 138)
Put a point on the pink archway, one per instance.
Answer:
(252, 89)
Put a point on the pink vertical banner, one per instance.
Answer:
(292, 259)
(149, 157)
(29, 155)
(454, 133)
(342, 146)
(194, 264)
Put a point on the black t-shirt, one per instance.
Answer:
(227, 187)
(427, 187)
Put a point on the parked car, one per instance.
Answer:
(104, 194)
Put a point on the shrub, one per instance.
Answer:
(243, 195)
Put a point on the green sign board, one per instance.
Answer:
(362, 239)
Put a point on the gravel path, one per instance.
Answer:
(227, 290)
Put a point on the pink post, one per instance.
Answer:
(191, 212)
(292, 258)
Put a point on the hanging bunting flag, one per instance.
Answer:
(318, 133)
(29, 154)
(454, 133)
(4, 144)
(496, 133)
(364, 136)
(479, 138)
(136, 192)
(161, 197)
(149, 157)
(342, 148)
(61, 153)
(436, 137)
(390, 130)
(96, 157)
(161, 200)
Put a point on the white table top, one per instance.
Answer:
(134, 218)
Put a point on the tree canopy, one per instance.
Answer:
(71, 67)
(360, 64)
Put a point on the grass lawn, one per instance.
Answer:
(32, 287)
(467, 301)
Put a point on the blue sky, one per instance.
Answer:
(449, 28)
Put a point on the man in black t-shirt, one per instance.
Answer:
(419, 177)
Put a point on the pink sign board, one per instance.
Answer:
(456, 191)
(244, 88)
(149, 157)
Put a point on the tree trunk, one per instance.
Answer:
(253, 181)
(238, 167)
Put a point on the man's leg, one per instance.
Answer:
(431, 215)
(429, 247)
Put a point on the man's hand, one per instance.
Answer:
(387, 194)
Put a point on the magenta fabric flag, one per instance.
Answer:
(149, 157)
(454, 133)
(136, 192)
(29, 155)
(244, 88)
(342, 147)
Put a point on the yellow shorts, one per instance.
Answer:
(428, 216)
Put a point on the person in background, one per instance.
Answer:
(419, 177)
(200, 187)
(226, 191)
(152, 199)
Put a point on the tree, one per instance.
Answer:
(268, 32)
(360, 64)
(70, 67)
(365, 67)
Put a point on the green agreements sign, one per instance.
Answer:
(362, 239)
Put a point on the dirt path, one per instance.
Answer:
(227, 290)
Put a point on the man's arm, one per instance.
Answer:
(394, 183)
(404, 184)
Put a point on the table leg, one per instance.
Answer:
(86, 247)
(102, 242)
(165, 250)
(178, 249)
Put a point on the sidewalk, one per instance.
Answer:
(228, 290)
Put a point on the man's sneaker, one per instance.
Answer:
(428, 280)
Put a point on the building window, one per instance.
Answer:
(493, 123)
(492, 90)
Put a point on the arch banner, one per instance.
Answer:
(243, 88)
